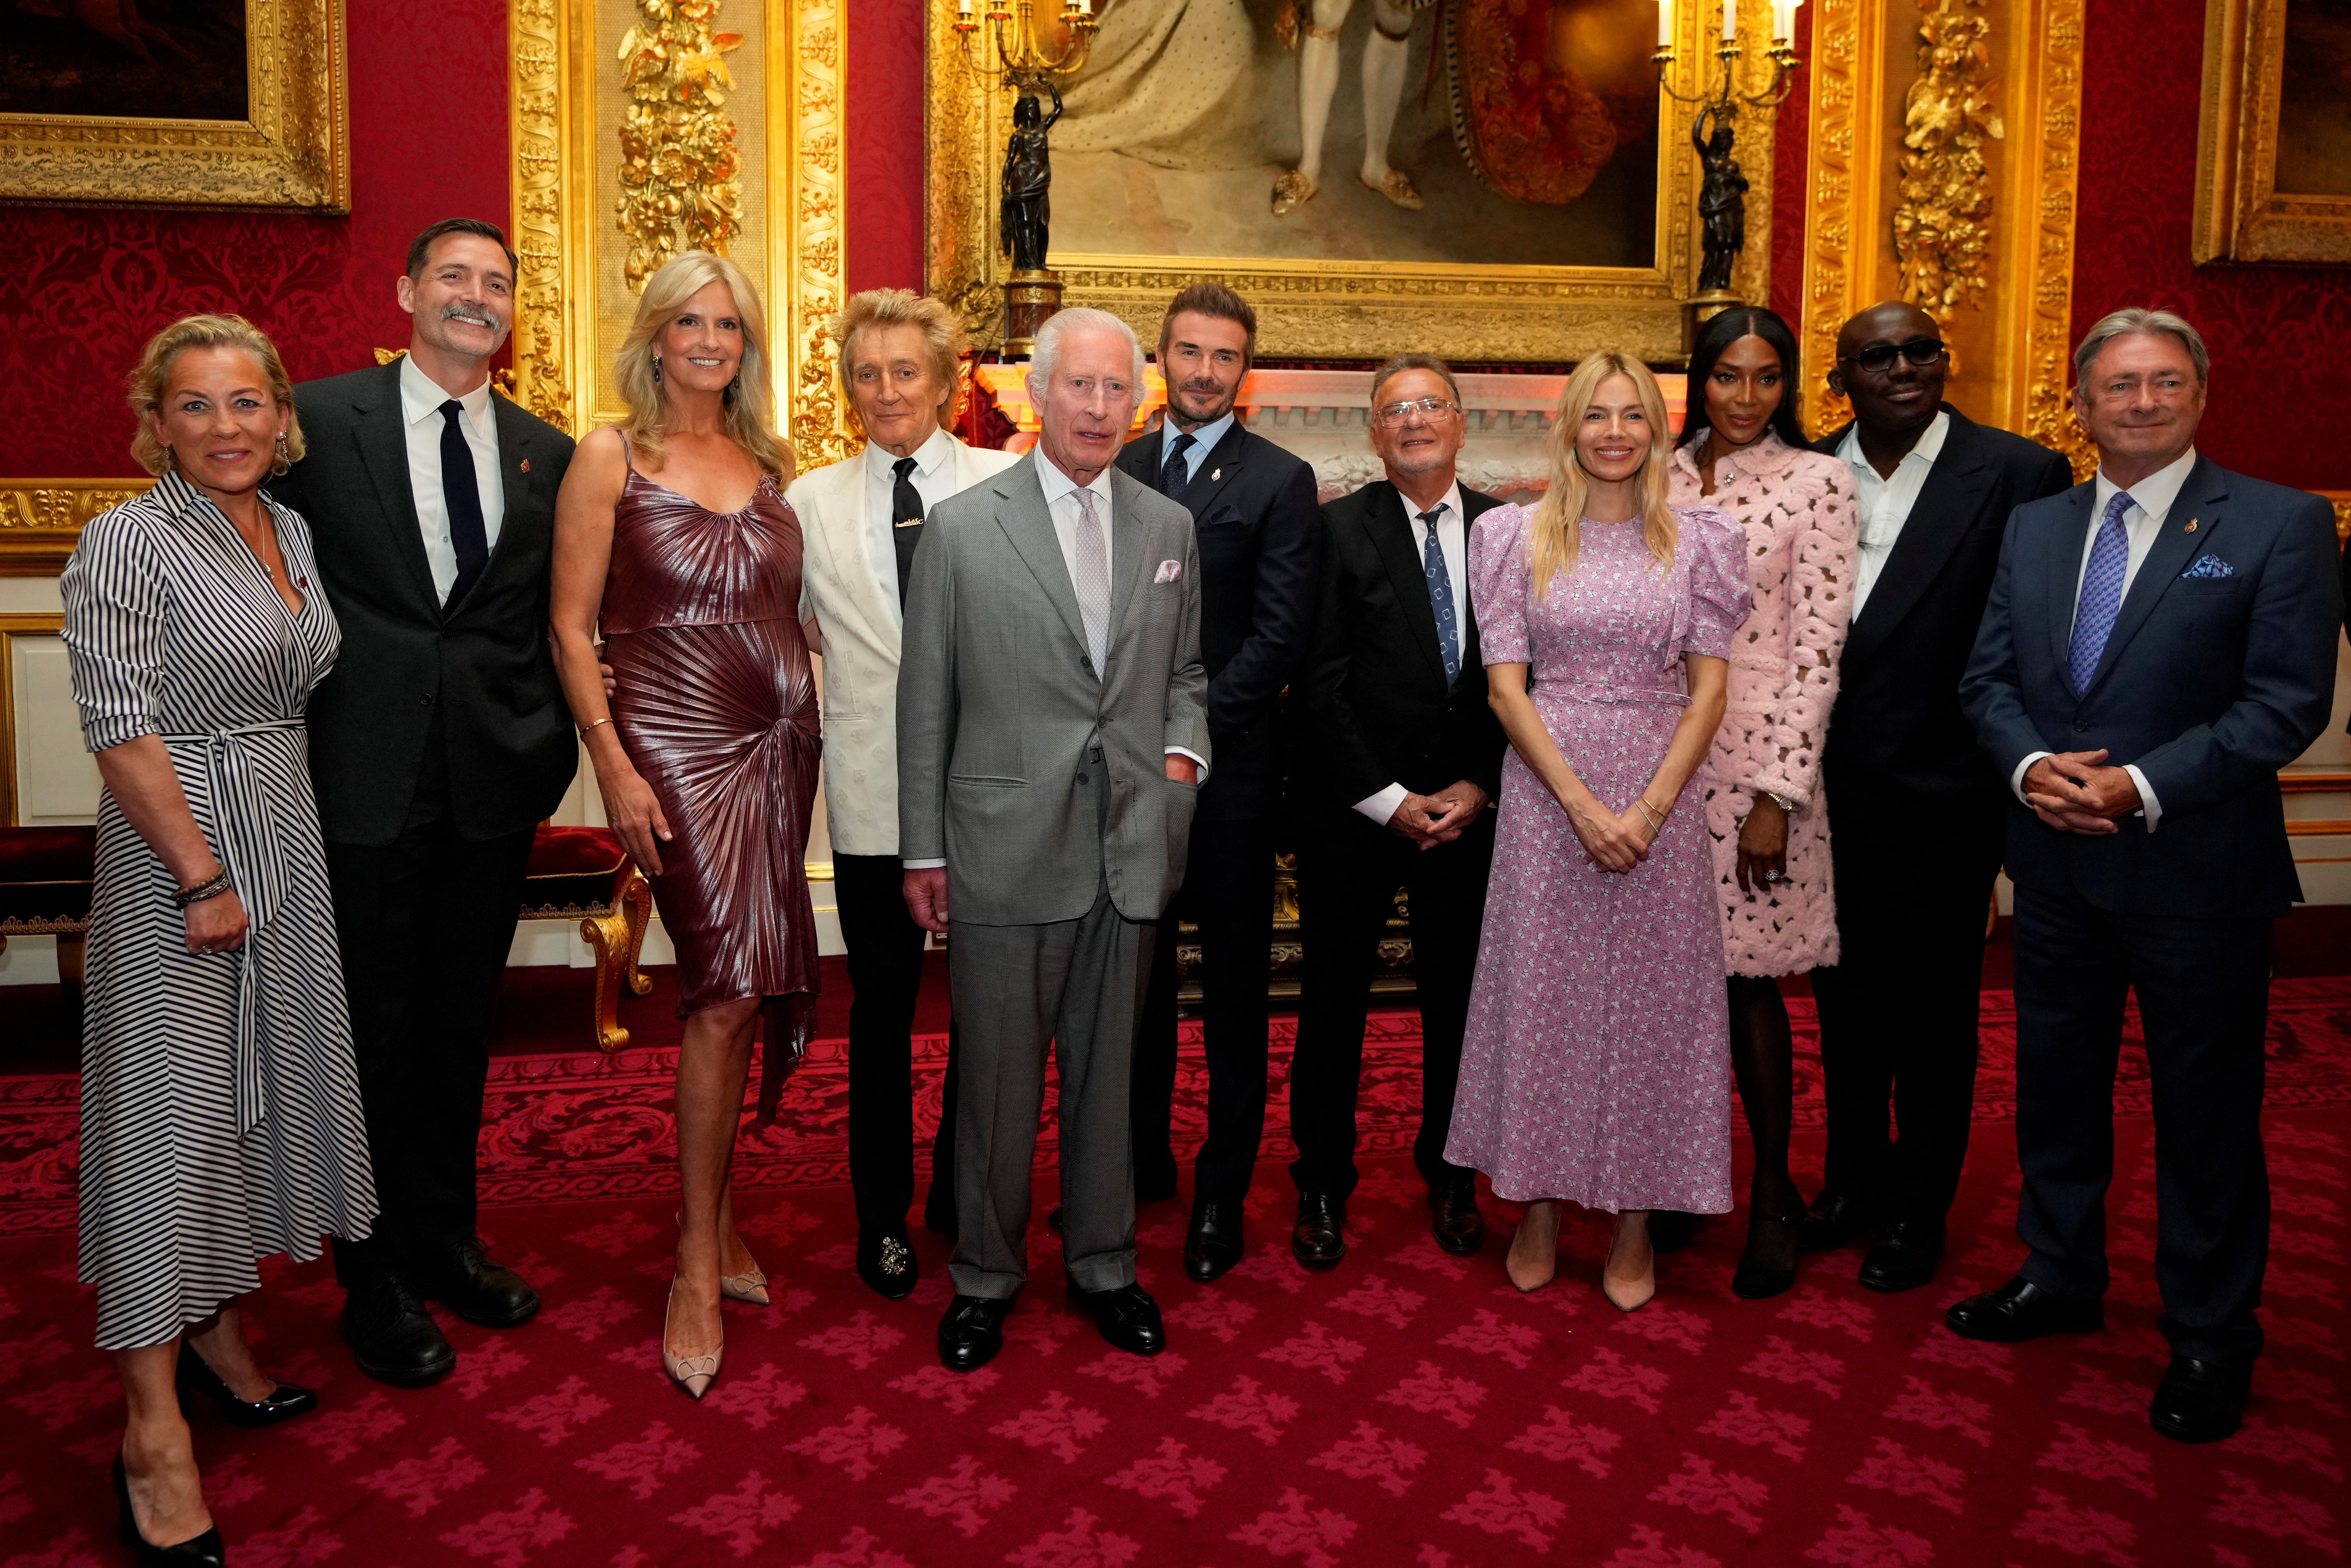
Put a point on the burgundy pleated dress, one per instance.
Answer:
(717, 707)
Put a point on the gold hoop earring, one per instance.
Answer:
(285, 460)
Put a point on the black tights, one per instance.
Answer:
(1762, 1057)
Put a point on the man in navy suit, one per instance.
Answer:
(1254, 518)
(2159, 643)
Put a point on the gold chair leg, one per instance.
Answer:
(608, 935)
(636, 902)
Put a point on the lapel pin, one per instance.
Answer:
(1215, 474)
(526, 464)
(2192, 525)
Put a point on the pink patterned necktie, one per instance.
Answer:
(2101, 594)
(1094, 579)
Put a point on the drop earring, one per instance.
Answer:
(733, 388)
(657, 379)
(285, 460)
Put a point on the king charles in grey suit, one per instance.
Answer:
(2159, 643)
(1052, 731)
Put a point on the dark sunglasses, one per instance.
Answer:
(1878, 358)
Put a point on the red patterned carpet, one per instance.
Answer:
(1407, 1409)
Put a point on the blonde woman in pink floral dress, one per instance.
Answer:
(1742, 451)
(1594, 1069)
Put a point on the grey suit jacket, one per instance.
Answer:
(998, 706)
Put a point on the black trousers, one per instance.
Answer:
(885, 977)
(1899, 1011)
(2203, 998)
(425, 924)
(1349, 870)
(1229, 892)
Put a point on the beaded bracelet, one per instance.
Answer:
(212, 886)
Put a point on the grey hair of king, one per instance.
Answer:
(1060, 325)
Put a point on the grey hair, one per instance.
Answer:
(1403, 362)
(1060, 325)
(2123, 323)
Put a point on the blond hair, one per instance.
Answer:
(152, 375)
(1557, 533)
(750, 417)
(941, 328)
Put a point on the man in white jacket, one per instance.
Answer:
(861, 520)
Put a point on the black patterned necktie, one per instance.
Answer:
(1175, 473)
(462, 494)
(905, 521)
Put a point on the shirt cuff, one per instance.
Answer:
(1200, 761)
(2016, 779)
(2150, 807)
(1380, 807)
(922, 865)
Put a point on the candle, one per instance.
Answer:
(962, 9)
(1782, 14)
(1664, 24)
(1729, 20)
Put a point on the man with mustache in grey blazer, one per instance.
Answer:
(1052, 734)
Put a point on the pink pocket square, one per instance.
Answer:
(1169, 571)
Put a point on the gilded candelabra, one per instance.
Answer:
(1722, 193)
(1030, 59)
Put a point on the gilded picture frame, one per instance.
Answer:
(1363, 310)
(293, 149)
(2251, 153)
(573, 300)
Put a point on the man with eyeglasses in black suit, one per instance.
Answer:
(1920, 815)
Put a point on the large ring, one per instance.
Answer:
(1775, 877)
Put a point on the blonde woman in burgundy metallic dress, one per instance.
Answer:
(673, 533)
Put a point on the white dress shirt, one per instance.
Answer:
(420, 407)
(1453, 546)
(2143, 520)
(1885, 503)
(934, 481)
(1204, 440)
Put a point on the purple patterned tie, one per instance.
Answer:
(2101, 594)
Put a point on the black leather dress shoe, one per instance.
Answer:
(973, 1332)
(205, 1551)
(2199, 1401)
(1834, 1217)
(885, 1262)
(1127, 1316)
(1319, 1239)
(1454, 1219)
(2021, 1310)
(1214, 1244)
(392, 1336)
(1904, 1255)
(486, 1294)
(285, 1402)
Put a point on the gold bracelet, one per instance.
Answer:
(600, 723)
(1657, 817)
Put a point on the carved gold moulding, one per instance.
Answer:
(292, 151)
(1354, 309)
(40, 520)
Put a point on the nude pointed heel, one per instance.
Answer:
(695, 1374)
(1528, 1284)
(750, 1287)
(1628, 1295)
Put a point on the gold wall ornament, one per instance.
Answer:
(680, 168)
(569, 106)
(1943, 218)
(293, 149)
(41, 519)
(2251, 206)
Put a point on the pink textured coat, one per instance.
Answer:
(1802, 547)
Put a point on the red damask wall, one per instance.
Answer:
(82, 289)
(2276, 333)
(884, 114)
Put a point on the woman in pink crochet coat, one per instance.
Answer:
(1742, 451)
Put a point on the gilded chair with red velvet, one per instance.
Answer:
(583, 874)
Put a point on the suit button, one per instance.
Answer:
(425, 701)
(1081, 778)
(2080, 725)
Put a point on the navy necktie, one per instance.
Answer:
(905, 521)
(1174, 473)
(1441, 599)
(461, 493)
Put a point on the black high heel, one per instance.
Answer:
(285, 1402)
(1751, 1282)
(205, 1551)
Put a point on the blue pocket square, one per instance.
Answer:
(2208, 566)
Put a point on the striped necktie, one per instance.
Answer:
(2101, 594)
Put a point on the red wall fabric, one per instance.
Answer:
(2275, 333)
(1792, 145)
(82, 289)
(883, 110)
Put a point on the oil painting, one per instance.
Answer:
(145, 60)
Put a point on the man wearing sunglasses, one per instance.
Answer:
(1903, 769)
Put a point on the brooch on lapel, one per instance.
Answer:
(526, 464)
(2207, 567)
(1215, 474)
(2192, 525)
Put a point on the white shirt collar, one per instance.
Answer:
(1929, 445)
(1058, 486)
(420, 398)
(1449, 506)
(1205, 437)
(2153, 494)
(933, 452)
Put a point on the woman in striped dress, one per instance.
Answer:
(220, 1111)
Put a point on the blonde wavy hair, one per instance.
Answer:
(152, 375)
(941, 328)
(1557, 533)
(750, 420)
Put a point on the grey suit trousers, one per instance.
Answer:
(1077, 985)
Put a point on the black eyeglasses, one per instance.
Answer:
(1878, 358)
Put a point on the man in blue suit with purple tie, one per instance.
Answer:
(2159, 642)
